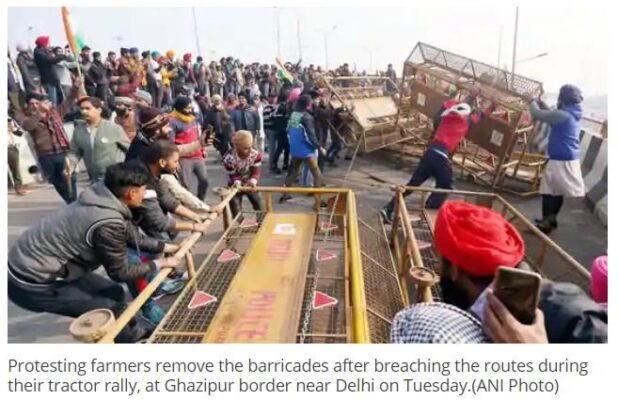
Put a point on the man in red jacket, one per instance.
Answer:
(453, 125)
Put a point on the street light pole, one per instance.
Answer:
(515, 43)
(300, 51)
(278, 32)
(326, 52)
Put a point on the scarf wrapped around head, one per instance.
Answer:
(151, 119)
(476, 239)
(242, 139)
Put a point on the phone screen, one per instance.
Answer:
(519, 292)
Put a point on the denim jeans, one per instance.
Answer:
(436, 165)
(52, 93)
(52, 167)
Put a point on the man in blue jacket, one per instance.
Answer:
(562, 177)
(303, 144)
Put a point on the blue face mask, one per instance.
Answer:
(479, 305)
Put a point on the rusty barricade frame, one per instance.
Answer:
(382, 130)
(542, 254)
(494, 152)
(355, 291)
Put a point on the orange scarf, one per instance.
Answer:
(187, 119)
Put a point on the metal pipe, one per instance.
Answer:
(359, 304)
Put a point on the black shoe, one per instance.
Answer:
(284, 197)
(323, 204)
(553, 224)
(348, 158)
(285, 167)
(545, 226)
(386, 218)
(275, 170)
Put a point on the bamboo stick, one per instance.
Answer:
(145, 294)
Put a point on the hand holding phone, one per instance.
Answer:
(519, 291)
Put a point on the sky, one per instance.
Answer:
(575, 38)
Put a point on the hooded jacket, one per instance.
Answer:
(73, 242)
(563, 144)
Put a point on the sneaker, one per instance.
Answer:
(386, 217)
(169, 286)
(284, 197)
(152, 313)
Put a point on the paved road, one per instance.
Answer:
(580, 233)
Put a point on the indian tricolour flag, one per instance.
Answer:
(76, 41)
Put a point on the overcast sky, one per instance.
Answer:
(575, 38)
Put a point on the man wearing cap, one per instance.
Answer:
(454, 124)
(44, 60)
(243, 166)
(125, 116)
(85, 63)
(44, 123)
(99, 142)
(562, 176)
(98, 74)
(154, 125)
(185, 130)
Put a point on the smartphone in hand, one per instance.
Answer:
(519, 291)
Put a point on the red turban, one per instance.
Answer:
(42, 41)
(476, 239)
(187, 57)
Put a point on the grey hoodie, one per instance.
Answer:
(95, 230)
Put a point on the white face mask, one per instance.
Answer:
(462, 109)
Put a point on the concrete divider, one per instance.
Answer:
(593, 158)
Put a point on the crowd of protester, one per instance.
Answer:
(142, 121)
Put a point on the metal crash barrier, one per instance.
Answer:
(495, 151)
(411, 239)
(285, 274)
(373, 112)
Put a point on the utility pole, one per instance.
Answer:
(197, 37)
(300, 51)
(515, 44)
(370, 61)
(326, 52)
(499, 47)
(278, 32)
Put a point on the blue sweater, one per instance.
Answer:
(564, 133)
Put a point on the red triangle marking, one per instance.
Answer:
(322, 300)
(422, 245)
(327, 226)
(324, 255)
(200, 299)
(227, 255)
(248, 223)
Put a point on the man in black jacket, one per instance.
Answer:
(44, 61)
(51, 266)
(98, 74)
(28, 69)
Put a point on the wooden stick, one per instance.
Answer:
(133, 308)
(190, 265)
